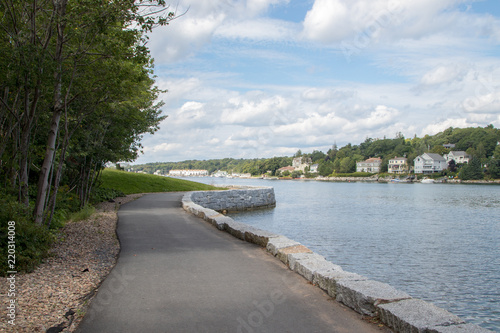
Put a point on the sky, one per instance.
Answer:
(264, 78)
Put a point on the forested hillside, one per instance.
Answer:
(479, 142)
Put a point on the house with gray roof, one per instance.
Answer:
(457, 156)
(430, 163)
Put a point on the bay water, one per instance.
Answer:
(437, 242)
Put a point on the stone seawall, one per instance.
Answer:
(243, 198)
(394, 308)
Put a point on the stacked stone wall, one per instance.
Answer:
(241, 199)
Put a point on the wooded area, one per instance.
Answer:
(76, 91)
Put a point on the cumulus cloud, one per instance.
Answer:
(202, 20)
(361, 23)
(442, 74)
(254, 109)
(441, 126)
(381, 116)
(483, 91)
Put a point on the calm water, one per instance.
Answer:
(437, 242)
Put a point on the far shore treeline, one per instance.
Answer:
(482, 144)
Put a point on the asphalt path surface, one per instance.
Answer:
(177, 273)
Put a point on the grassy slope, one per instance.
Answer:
(130, 183)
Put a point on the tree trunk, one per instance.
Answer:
(58, 107)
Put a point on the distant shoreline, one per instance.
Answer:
(367, 179)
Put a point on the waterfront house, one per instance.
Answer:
(314, 168)
(430, 163)
(287, 168)
(188, 173)
(459, 157)
(398, 165)
(219, 174)
(371, 165)
(300, 163)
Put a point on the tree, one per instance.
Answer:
(439, 149)
(494, 168)
(452, 166)
(325, 169)
(347, 165)
(71, 24)
(317, 156)
(472, 170)
(60, 64)
(496, 154)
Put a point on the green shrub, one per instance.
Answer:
(32, 242)
(83, 213)
(100, 194)
(354, 174)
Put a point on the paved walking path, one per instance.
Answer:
(176, 273)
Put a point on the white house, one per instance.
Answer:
(220, 174)
(300, 163)
(188, 173)
(371, 165)
(457, 156)
(398, 165)
(430, 163)
(314, 168)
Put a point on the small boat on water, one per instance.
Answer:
(427, 181)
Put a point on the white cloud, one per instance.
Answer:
(441, 126)
(326, 94)
(260, 29)
(361, 23)
(442, 74)
(163, 147)
(192, 111)
(253, 109)
(204, 19)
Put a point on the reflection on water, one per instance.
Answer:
(437, 242)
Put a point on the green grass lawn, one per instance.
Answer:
(130, 183)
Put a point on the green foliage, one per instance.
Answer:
(353, 174)
(325, 168)
(32, 242)
(100, 194)
(129, 183)
(471, 171)
(95, 53)
(82, 214)
(494, 168)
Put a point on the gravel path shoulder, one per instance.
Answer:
(58, 292)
